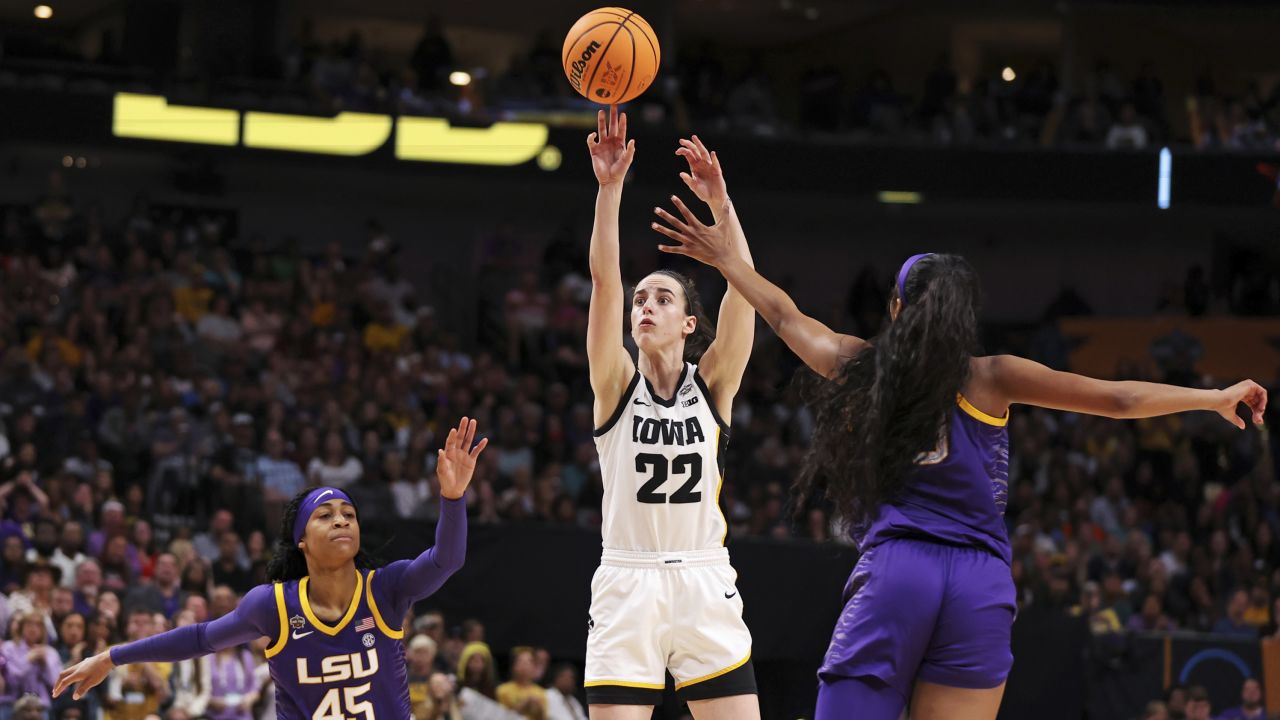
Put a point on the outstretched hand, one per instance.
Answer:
(710, 244)
(456, 462)
(1248, 392)
(84, 675)
(705, 178)
(611, 152)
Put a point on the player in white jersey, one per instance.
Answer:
(664, 597)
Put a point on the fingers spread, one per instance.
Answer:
(674, 235)
(685, 211)
(702, 149)
(672, 219)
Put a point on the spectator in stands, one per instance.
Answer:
(1152, 617)
(281, 477)
(1102, 619)
(476, 671)
(1233, 623)
(69, 553)
(191, 679)
(111, 524)
(562, 700)
(1128, 132)
(1175, 701)
(1155, 710)
(88, 584)
(337, 467)
(195, 578)
(521, 693)
(441, 702)
(30, 707)
(31, 665)
(234, 685)
(228, 568)
(1198, 707)
(71, 639)
(432, 57)
(421, 659)
(164, 593)
(136, 691)
(1251, 707)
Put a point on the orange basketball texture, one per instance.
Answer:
(611, 55)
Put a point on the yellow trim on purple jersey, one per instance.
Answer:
(284, 623)
(377, 615)
(317, 622)
(980, 416)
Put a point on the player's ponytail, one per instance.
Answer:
(287, 561)
(704, 332)
(893, 400)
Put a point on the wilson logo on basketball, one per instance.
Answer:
(580, 65)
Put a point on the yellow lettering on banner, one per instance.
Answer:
(348, 133)
(150, 117)
(434, 140)
(420, 139)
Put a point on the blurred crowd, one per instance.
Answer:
(722, 91)
(166, 388)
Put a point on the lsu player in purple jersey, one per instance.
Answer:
(912, 447)
(333, 620)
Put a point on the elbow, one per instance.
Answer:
(1123, 403)
(456, 563)
(452, 562)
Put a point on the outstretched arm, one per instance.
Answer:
(1027, 382)
(821, 348)
(254, 617)
(610, 366)
(725, 361)
(403, 583)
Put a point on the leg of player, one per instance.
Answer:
(734, 707)
(931, 701)
(620, 712)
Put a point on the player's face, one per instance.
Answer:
(658, 316)
(333, 534)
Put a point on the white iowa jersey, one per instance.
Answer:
(662, 462)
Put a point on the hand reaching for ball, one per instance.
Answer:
(611, 154)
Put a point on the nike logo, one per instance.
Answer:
(326, 492)
(729, 595)
(638, 401)
(299, 636)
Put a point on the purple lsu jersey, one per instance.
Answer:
(956, 493)
(351, 670)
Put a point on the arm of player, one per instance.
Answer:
(1027, 382)
(405, 582)
(725, 361)
(821, 348)
(254, 617)
(610, 366)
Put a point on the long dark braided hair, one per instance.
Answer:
(287, 561)
(704, 332)
(890, 402)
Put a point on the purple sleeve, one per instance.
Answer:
(404, 582)
(254, 617)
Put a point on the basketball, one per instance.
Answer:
(611, 55)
